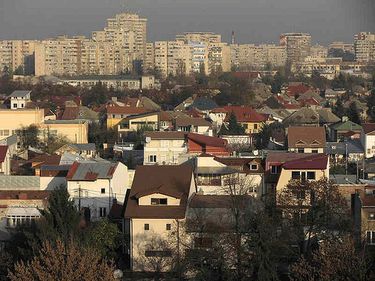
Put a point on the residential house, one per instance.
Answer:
(117, 113)
(309, 117)
(306, 139)
(4, 160)
(95, 185)
(193, 125)
(348, 150)
(165, 148)
(281, 167)
(173, 148)
(20, 208)
(368, 139)
(19, 99)
(217, 115)
(133, 123)
(75, 112)
(364, 215)
(87, 150)
(339, 130)
(75, 131)
(155, 209)
(251, 120)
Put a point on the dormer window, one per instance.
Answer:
(159, 201)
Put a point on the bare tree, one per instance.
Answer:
(60, 262)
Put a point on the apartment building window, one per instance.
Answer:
(159, 201)
(146, 226)
(168, 226)
(370, 237)
(102, 191)
(301, 150)
(102, 212)
(152, 158)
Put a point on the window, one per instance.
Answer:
(159, 201)
(102, 191)
(275, 170)
(314, 151)
(152, 158)
(296, 175)
(152, 253)
(301, 150)
(14, 105)
(253, 167)
(102, 212)
(255, 126)
(168, 226)
(370, 237)
(311, 175)
(147, 226)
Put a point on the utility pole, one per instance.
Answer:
(346, 158)
(79, 198)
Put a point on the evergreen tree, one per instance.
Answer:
(353, 113)
(371, 105)
(234, 128)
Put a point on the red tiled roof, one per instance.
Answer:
(244, 114)
(3, 152)
(24, 194)
(218, 110)
(368, 127)
(206, 140)
(45, 159)
(70, 113)
(169, 135)
(311, 162)
(298, 89)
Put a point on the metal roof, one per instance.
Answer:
(19, 94)
(19, 182)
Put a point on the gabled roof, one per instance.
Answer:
(19, 94)
(244, 114)
(297, 89)
(91, 171)
(3, 152)
(326, 116)
(306, 137)
(280, 157)
(303, 116)
(311, 162)
(80, 146)
(204, 103)
(341, 148)
(172, 181)
(346, 126)
(191, 121)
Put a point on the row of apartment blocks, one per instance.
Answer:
(122, 47)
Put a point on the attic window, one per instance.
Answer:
(159, 201)
(253, 167)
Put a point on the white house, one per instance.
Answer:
(157, 204)
(95, 185)
(4, 160)
(164, 148)
(18, 99)
(368, 139)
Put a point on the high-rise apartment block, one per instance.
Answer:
(346, 47)
(364, 46)
(17, 55)
(250, 56)
(298, 46)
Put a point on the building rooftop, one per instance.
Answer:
(19, 94)
(91, 171)
(306, 137)
(19, 183)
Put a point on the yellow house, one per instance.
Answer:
(156, 206)
(116, 113)
(12, 120)
(311, 168)
(251, 120)
(76, 131)
(135, 122)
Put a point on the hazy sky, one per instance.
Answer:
(253, 21)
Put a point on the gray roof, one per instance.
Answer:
(91, 171)
(353, 146)
(19, 183)
(19, 94)
(343, 179)
(215, 170)
(83, 146)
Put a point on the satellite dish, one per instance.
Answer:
(148, 139)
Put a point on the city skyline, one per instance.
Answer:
(256, 22)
